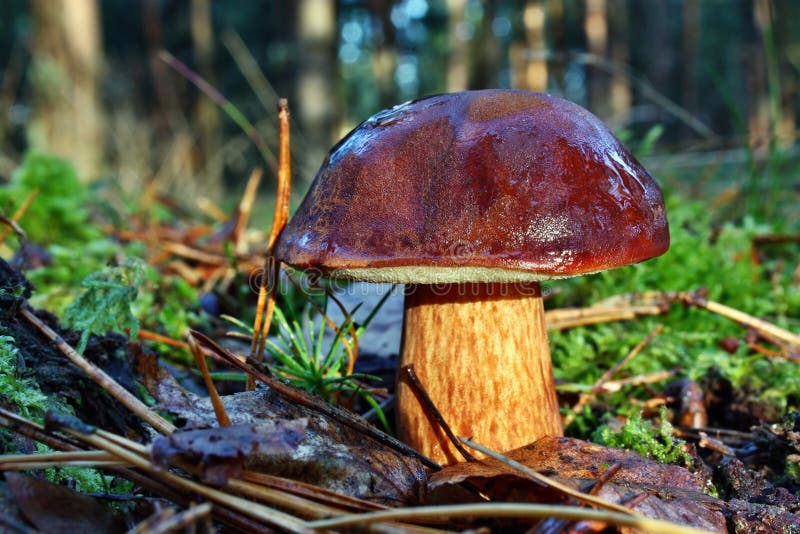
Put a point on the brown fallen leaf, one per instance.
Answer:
(331, 455)
(673, 493)
(53, 508)
(221, 453)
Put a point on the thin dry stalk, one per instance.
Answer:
(315, 493)
(762, 327)
(422, 514)
(148, 335)
(271, 268)
(185, 251)
(613, 386)
(51, 459)
(216, 401)
(566, 318)
(586, 398)
(549, 482)
(19, 213)
(168, 521)
(314, 403)
(268, 516)
(245, 209)
(100, 377)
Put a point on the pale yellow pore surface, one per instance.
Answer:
(481, 353)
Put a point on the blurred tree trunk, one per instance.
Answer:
(786, 17)
(595, 26)
(485, 52)
(207, 158)
(556, 38)
(618, 38)
(458, 61)
(315, 106)
(656, 47)
(66, 60)
(690, 51)
(760, 120)
(385, 58)
(531, 72)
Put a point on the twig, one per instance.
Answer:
(762, 327)
(216, 401)
(549, 482)
(244, 210)
(11, 222)
(649, 378)
(222, 102)
(507, 510)
(100, 377)
(17, 229)
(304, 399)
(267, 515)
(52, 459)
(585, 398)
(35, 431)
(168, 521)
(621, 69)
(309, 491)
(271, 269)
(564, 318)
(410, 377)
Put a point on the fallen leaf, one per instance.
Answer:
(331, 455)
(673, 493)
(55, 509)
(221, 453)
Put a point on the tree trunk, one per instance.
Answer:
(620, 96)
(595, 26)
(208, 176)
(67, 56)
(384, 60)
(531, 72)
(458, 62)
(315, 107)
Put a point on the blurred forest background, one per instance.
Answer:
(705, 91)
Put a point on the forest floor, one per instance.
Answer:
(124, 406)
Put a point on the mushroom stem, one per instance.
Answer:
(480, 351)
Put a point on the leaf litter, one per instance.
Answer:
(326, 470)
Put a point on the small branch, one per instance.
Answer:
(268, 516)
(506, 510)
(304, 399)
(766, 329)
(216, 401)
(410, 377)
(549, 482)
(585, 398)
(224, 104)
(100, 377)
(244, 210)
(271, 268)
(565, 318)
(168, 521)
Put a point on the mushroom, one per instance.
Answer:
(472, 199)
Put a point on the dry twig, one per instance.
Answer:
(100, 377)
(585, 398)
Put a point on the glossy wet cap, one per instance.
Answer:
(477, 186)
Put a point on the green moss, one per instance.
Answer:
(16, 389)
(58, 214)
(701, 256)
(105, 304)
(641, 436)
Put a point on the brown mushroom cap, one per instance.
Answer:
(477, 186)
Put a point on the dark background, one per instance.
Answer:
(706, 92)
